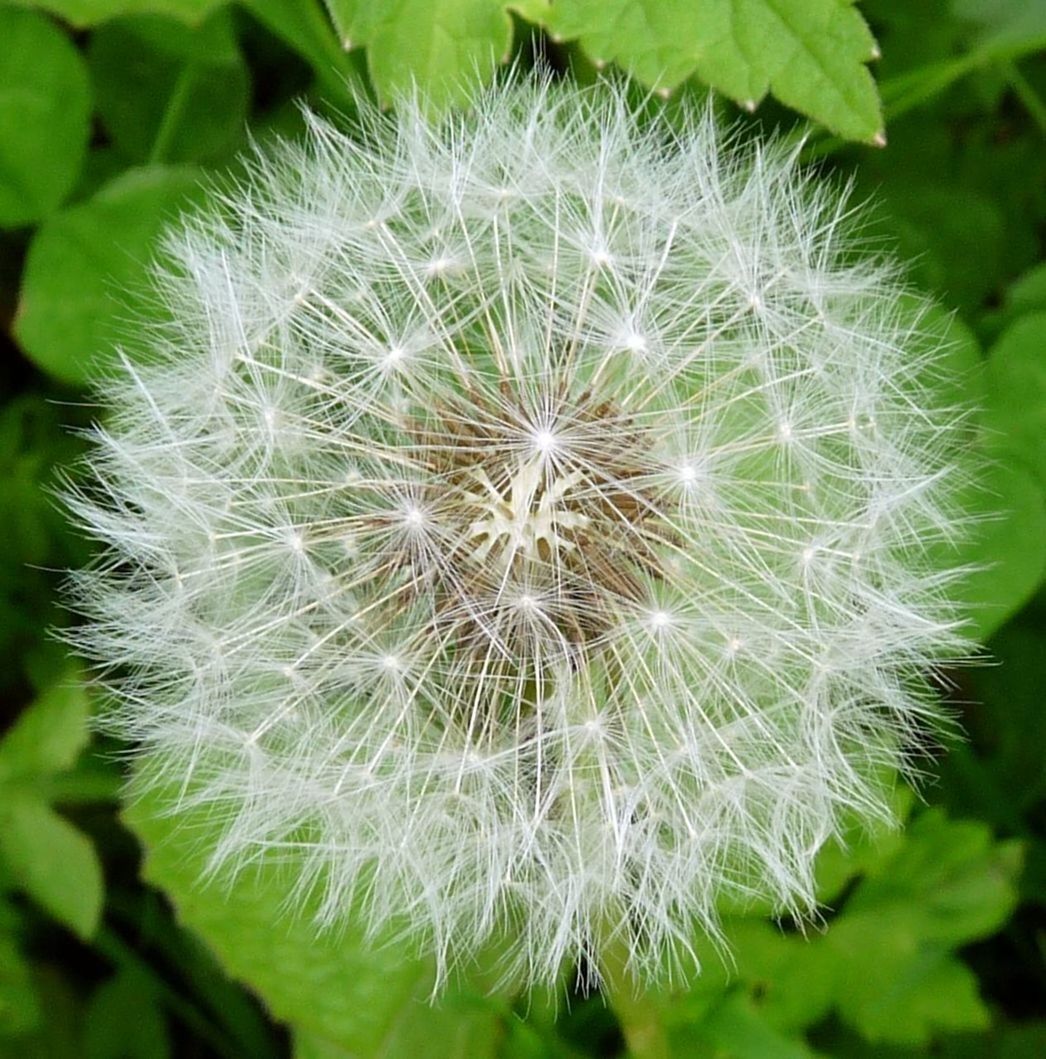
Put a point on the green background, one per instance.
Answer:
(112, 112)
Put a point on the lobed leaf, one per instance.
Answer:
(811, 54)
(439, 46)
(947, 885)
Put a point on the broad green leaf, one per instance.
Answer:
(52, 861)
(440, 46)
(531, 10)
(952, 237)
(460, 1026)
(1006, 552)
(810, 54)
(1017, 391)
(351, 17)
(82, 13)
(1028, 293)
(49, 734)
(342, 995)
(86, 273)
(45, 108)
(167, 92)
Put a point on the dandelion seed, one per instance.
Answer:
(519, 582)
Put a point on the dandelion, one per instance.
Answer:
(520, 526)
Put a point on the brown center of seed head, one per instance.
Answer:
(550, 519)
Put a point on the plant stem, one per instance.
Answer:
(1026, 93)
(173, 113)
(637, 1012)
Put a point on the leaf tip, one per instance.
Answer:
(879, 139)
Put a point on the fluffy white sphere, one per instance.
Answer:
(521, 525)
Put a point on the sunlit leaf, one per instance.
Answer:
(810, 54)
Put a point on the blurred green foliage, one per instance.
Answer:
(111, 114)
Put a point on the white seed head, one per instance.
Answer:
(499, 529)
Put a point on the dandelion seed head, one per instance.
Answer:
(521, 524)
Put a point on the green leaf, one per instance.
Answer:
(738, 1028)
(949, 876)
(83, 13)
(1009, 723)
(1006, 553)
(1006, 1040)
(53, 862)
(1027, 294)
(810, 54)
(948, 884)
(863, 847)
(1004, 21)
(49, 733)
(167, 92)
(341, 994)
(85, 275)
(1017, 391)
(45, 108)
(442, 46)
(893, 992)
(35, 537)
(110, 1034)
(791, 980)
(57, 1035)
(953, 237)
(304, 26)
(20, 1010)
(460, 1026)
